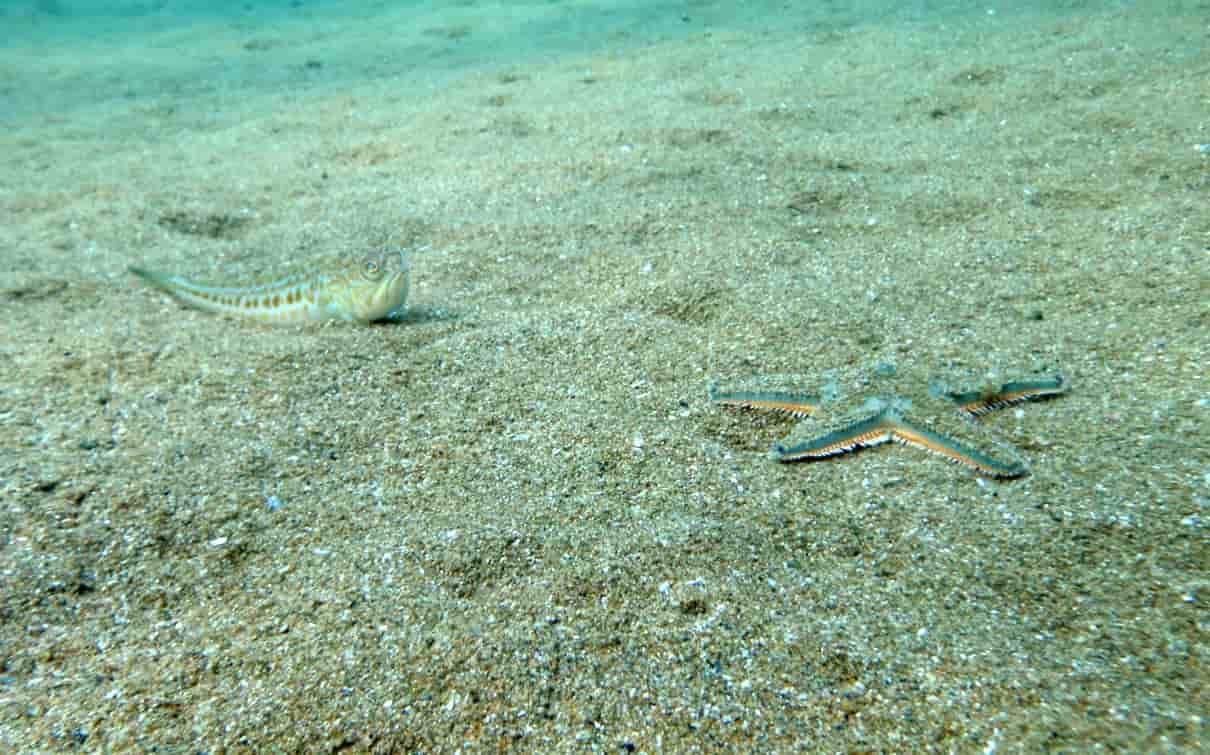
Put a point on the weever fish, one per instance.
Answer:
(356, 289)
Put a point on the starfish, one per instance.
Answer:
(890, 417)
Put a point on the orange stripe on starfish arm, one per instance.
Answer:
(929, 441)
(798, 405)
(865, 434)
(976, 403)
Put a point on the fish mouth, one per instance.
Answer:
(391, 297)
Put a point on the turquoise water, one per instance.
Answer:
(57, 56)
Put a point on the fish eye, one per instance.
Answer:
(371, 268)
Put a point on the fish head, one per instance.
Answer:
(374, 286)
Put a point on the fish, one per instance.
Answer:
(350, 288)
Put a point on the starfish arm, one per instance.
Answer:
(795, 404)
(913, 435)
(978, 403)
(872, 431)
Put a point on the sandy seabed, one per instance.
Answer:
(512, 518)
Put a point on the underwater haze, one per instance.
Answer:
(374, 376)
(59, 55)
